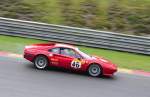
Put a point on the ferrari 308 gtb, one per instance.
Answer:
(67, 57)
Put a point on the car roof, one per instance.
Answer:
(51, 45)
(65, 45)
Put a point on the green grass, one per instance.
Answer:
(122, 59)
(15, 44)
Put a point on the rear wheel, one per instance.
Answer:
(94, 70)
(41, 62)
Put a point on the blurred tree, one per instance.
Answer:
(71, 15)
(90, 14)
(116, 16)
(18, 9)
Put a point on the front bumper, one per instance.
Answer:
(109, 71)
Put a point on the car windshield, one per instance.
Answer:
(86, 56)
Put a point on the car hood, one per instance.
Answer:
(101, 59)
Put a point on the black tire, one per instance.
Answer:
(94, 70)
(41, 62)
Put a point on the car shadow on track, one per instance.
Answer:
(64, 71)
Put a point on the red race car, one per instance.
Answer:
(67, 57)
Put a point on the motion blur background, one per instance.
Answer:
(120, 16)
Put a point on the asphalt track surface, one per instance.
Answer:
(18, 78)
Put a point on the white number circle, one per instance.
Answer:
(76, 64)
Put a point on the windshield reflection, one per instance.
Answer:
(86, 56)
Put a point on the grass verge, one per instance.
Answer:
(122, 59)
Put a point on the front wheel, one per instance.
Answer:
(94, 70)
(41, 62)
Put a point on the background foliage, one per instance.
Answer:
(122, 16)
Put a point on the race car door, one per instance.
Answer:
(54, 57)
(68, 58)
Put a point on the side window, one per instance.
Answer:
(55, 50)
(69, 52)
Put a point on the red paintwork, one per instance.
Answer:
(58, 60)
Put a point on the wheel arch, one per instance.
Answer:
(40, 55)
